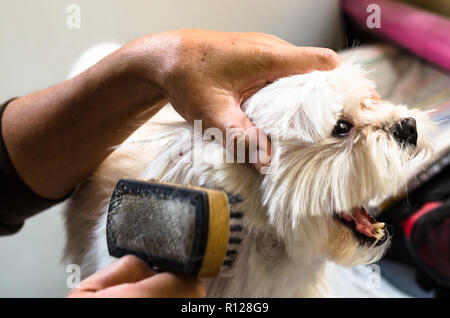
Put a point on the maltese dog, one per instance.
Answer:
(336, 148)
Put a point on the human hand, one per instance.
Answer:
(130, 277)
(205, 75)
(208, 74)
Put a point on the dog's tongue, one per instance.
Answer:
(362, 221)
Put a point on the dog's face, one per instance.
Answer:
(338, 147)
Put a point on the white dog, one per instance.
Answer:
(338, 148)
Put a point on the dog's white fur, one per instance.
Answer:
(291, 233)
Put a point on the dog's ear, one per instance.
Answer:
(304, 107)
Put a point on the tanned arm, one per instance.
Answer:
(56, 137)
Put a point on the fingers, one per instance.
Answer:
(321, 59)
(237, 129)
(170, 285)
(298, 60)
(227, 115)
(164, 285)
(130, 277)
(128, 269)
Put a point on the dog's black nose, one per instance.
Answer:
(405, 131)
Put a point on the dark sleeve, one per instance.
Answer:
(17, 200)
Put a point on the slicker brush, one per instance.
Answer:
(175, 228)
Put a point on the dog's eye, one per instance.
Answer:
(342, 128)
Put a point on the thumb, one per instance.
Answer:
(128, 269)
(299, 60)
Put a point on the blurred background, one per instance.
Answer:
(38, 49)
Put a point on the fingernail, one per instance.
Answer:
(264, 152)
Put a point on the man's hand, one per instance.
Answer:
(58, 136)
(130, 277)
(206, 75)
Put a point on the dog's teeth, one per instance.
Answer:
(378, 225)
(378, 232)
(375, 243)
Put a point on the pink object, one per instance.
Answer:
(409, 223)
(423, 33)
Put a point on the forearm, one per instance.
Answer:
(58, 136)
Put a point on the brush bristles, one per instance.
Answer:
(236, 229)
(231, 252)
(228, 262)
(234, 198)
(235, 240)
(236, 215)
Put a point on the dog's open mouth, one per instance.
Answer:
(364, 226)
